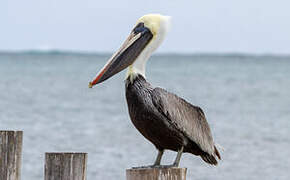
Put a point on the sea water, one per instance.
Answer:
(246, 100)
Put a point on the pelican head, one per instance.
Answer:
(144, 39)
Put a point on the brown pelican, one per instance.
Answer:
(166, 120)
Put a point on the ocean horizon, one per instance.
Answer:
(99, 53)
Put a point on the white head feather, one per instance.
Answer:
(159, 26)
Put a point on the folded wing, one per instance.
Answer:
(187, 118)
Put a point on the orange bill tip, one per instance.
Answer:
(90, 84)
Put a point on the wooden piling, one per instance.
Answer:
(156, 174)
(10, 155)
(65, 166)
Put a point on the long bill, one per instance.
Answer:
(125, 56)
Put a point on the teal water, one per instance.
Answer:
(246, 100)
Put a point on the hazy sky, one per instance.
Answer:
(254, 26)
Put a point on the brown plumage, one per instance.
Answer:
(169, 121)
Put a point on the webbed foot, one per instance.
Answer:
(156, 166)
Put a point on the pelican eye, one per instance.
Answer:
(140, 28)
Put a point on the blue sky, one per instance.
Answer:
(249, 26)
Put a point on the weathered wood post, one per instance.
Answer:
(156, 174)
(65, 166)
(10, 154)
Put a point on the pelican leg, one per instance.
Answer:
(177, 159)
(158, 158)
(156, 163)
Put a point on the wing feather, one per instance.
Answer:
(187, 118)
